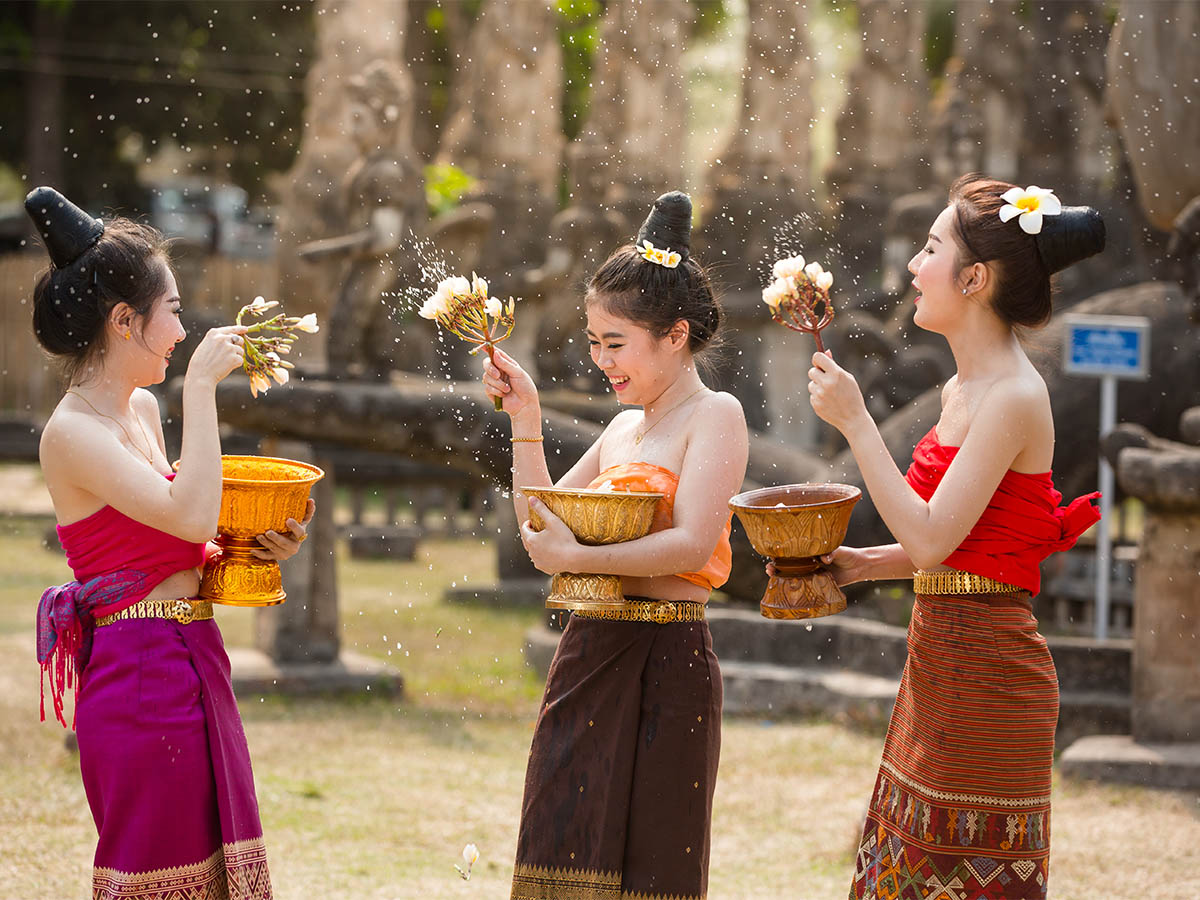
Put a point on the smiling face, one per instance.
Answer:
(161, 331)
(939, 279)
(638, 365)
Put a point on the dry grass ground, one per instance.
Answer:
(367, 798)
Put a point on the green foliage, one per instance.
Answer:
(939, 36)
(445, 185)
(710, 17)
(578, 34)
(224, 80)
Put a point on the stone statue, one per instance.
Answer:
(581, 238)
(383, 199)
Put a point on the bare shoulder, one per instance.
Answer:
(145, 404)
(723, 405)
(949, 387)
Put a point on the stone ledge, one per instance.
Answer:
(256, 673)
(1117, 757)
(512, 592)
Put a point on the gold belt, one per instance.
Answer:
(182, 611)
(662, 612)
(956, 582)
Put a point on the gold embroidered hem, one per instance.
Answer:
(237, 871)
(542, 883)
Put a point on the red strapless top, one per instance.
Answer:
(109, 541)
(1022, 524)
(643, 476)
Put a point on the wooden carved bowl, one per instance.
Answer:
(794, 525)
(258, 493)
(594, 517)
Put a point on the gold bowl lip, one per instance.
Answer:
(315, 472)
(742, 502)
(591, 492)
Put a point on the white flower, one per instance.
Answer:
(259, 384)
(512, 305)
(261, 305)
(825, 281)
(432, 307)
(470, 856)
(791, 266)
(479, 286)
(1030, 205)
(493, 307)
(813, 270)
(280, 374)
(308, 324)
(455, 284)
(777, 291)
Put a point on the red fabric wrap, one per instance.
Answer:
(1022, 524)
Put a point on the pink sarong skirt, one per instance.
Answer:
(166, 767)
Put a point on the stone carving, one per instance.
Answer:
(582, 236)
(1152, 71)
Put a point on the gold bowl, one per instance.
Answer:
(794, 525)
(258, 494)
(594, 517)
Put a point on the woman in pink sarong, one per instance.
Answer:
(161, 748)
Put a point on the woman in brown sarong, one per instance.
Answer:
(619, 788)
(961, 806)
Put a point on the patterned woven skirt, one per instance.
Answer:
(961, 807)
(166, 768)
(618, 793)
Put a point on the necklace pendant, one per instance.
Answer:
(637, 438)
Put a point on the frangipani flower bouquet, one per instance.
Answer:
(267, 342)
(799, 296)
(465, 309)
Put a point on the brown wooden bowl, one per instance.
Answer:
(794, 525)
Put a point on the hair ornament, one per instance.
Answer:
(663, 257)
(1028, 206)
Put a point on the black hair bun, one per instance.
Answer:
(1073, 235)
(66, 229)
(669, 225)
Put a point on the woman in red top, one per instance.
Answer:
(161, 747)
(961, 805)
(619, 788)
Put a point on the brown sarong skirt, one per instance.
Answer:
(619, 788)
(961, 806)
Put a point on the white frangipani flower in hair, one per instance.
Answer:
(1028, 206)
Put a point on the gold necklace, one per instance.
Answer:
(120, 424)
(637, 438)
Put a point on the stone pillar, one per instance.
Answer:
(304, 628)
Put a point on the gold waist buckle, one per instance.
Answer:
(661, 612)
(182, 611)
(956, 582)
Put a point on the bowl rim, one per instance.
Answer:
(739, 504)
(316, 473)
(591, 492)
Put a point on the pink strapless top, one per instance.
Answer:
(644, 476)
(108, 541)
(1022, 524)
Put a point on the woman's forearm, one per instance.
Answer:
(887, 562)
(197, 487)
(529, 458)
(666, 552)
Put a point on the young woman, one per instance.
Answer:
(962, 800)
(161, 747)
(618, 793)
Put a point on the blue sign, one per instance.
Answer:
(1106, 345)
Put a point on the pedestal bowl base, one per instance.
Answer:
(235, 577)
(802, 597)
(584, 591)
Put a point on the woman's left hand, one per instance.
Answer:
(278, 546)
(551, 550)
(835, 394)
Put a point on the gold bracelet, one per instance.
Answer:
(536, 440)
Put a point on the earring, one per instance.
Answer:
(129, 334)
(964, 294)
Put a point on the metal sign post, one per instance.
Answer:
(1110, 347)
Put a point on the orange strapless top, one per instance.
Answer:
(644, 476)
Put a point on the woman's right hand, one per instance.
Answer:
(504, 378)
(220, 352)
(848, 565)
